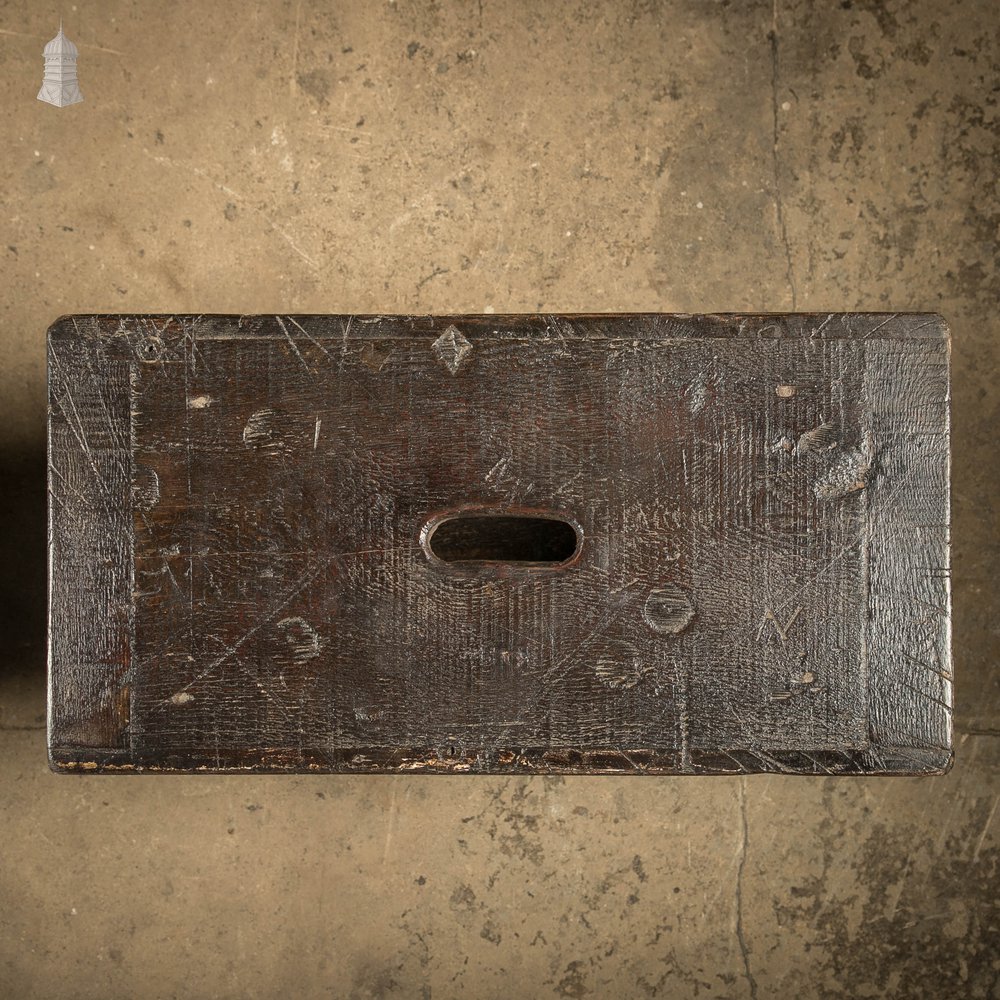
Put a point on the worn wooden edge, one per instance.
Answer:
(907, 557)
(119, 341)
(147, 336)
(533, 760)
(90, 539)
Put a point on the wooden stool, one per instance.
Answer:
(599, 544)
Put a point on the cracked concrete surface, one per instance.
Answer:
(740, 933)
(505, 156)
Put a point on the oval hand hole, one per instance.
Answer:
(499, 538)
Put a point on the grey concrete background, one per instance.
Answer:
(501, 155)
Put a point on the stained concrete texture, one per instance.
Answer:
(508, 156)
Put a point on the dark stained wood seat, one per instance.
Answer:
(607, 543)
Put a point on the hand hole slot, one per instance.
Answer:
(502, 538)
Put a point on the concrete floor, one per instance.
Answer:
(513, 156)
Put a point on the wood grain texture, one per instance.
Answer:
(241, 579)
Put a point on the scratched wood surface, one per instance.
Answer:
(752, 575)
